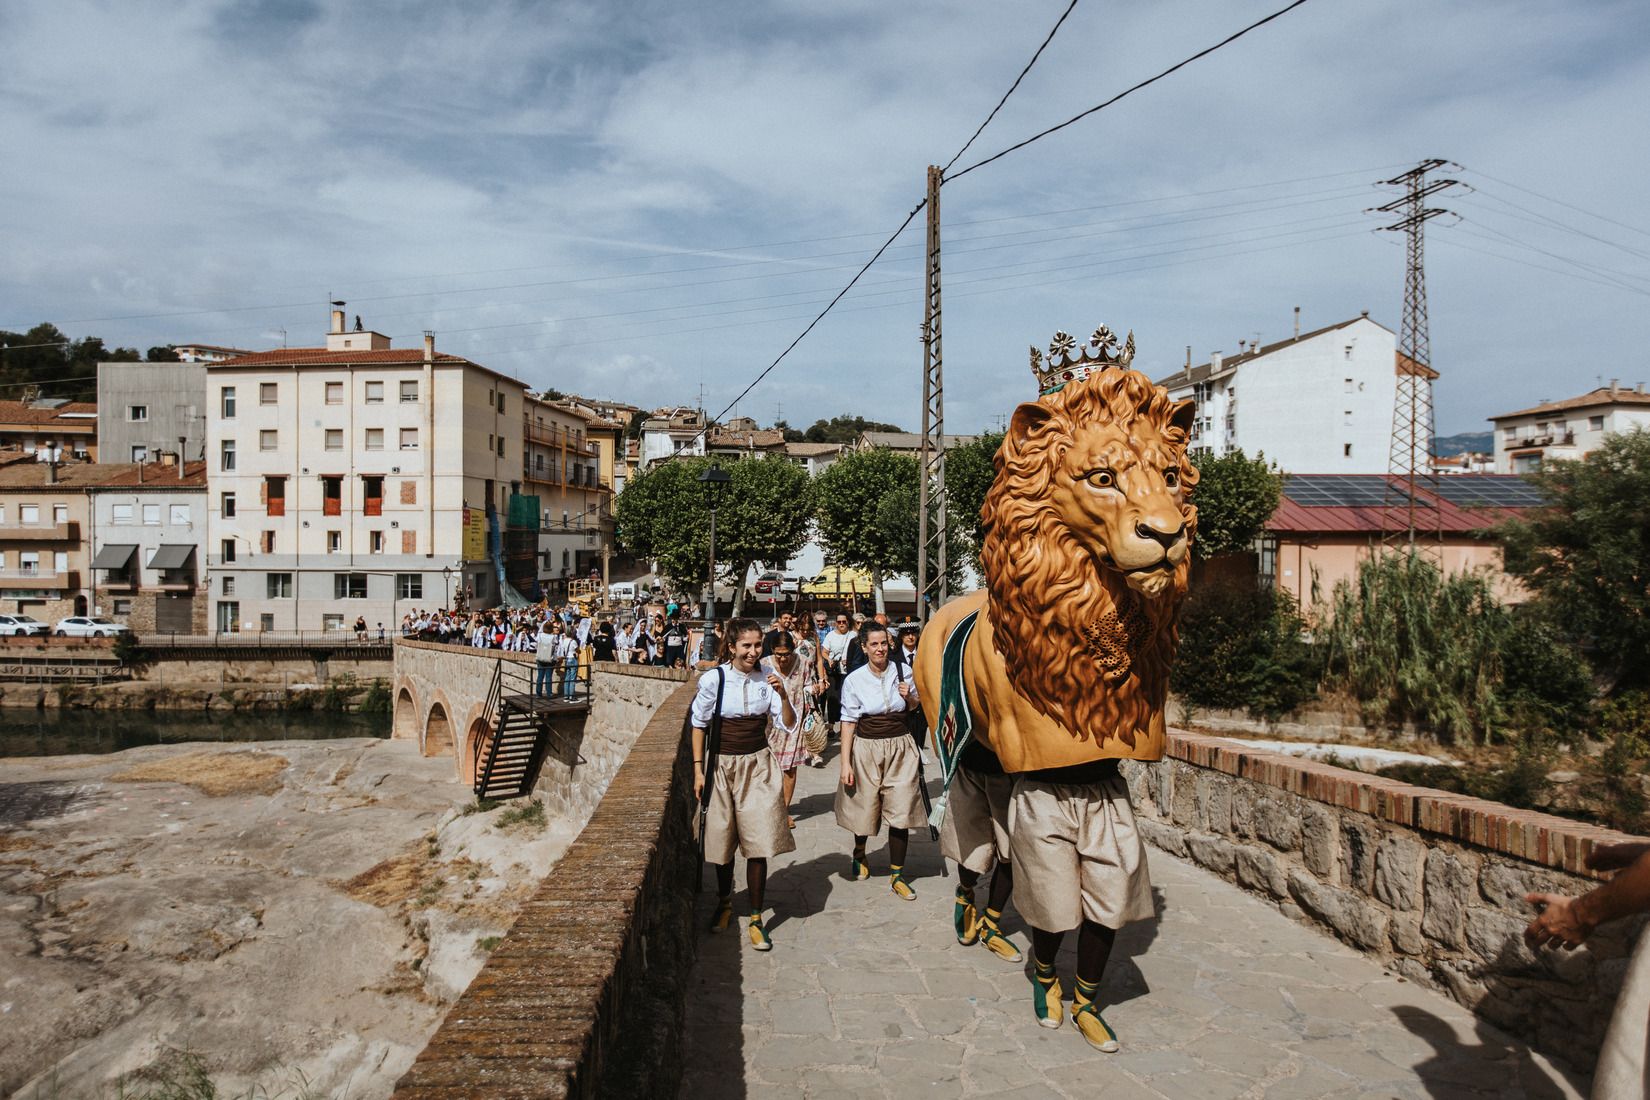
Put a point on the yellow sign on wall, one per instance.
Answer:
(475, 534)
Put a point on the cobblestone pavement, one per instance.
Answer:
(866, 996)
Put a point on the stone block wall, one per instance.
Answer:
(585, 996)
(1429, 882)
(623, 700)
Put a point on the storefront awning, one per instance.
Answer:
(171, 556)
(114, 556)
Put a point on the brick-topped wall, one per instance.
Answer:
(584, 997)
(1432, 883)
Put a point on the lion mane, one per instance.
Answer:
(1080, 645)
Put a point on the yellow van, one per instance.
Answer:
(839, 580)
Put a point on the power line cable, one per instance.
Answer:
(1560, 202)
(1050, 38)
(1125, 93)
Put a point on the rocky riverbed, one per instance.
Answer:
(285, 919)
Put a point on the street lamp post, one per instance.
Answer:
(715, 479)
(447, 575)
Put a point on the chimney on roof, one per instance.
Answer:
(1215, 359)
(1241, 344)
(183, 441)
(429, 345)
(1639, 388)
(337, 321)
(1615, 385)
(1364, 313)
(1297, 322)
(1188, 357)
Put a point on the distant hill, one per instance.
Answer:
(1482, 443)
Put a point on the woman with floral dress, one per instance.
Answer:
(809, 653)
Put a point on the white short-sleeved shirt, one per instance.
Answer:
(742, 697)
(836, 645)
(864, 692)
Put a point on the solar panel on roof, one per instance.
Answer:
(1489, 491)
(1343, 491)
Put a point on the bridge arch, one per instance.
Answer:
(475, 739)
(438, 731)
(405, 726)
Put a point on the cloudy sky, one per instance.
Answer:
(640, 199)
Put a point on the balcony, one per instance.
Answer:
(68, 531)
(42, 578)
(551, 436)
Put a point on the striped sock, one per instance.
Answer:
(1087, 991)
(1044, 973)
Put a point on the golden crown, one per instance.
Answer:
(1069, 361)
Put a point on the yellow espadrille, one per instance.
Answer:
(723, 916)
(1085, 1014)
(901, 888)
(994, 940)
(1045, 997)
(759, 935)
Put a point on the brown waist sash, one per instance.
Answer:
(743, 736)
(876, 727)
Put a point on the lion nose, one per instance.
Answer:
(1168, 538)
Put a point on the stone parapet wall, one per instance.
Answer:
(585, 996)
(1432, 883)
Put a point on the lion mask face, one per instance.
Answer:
(1120, 488)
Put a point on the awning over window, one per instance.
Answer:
(171, 556)
(114, 556)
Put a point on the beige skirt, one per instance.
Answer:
(885, 787)
(1077, 855)
(747, 810)
(975, 830)
(1621, 1070)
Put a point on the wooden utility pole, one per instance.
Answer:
(932, 590)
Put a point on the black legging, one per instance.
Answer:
(1094, 943)
(898, 839)
(756, 881)
(1002, 884)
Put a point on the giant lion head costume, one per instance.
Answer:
(1088, 530)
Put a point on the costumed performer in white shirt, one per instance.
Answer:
(747, 801)
(881, 762)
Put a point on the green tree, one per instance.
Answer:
(1241, 649)
(1587, 556)
(164, 353)
(764, 517)
(969, 471)
(664, 514)
(1235, 496)
(848, 499)
(845, 429)
(897, 520)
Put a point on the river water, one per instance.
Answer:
(59, 732)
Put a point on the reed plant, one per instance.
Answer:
(1414, 645)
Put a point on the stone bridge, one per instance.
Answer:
(1319, 932)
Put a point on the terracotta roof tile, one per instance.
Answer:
(1591, 399)
(27, 473)
(14, 413)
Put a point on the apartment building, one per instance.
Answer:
(1320, 402)
(146, 408)
(562, 469)
(1567, 429)
(148, 545)
(49, 424)
(356, 480)
(58, 522)
(667, 433)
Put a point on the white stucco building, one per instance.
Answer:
(1567, 429)
(1318, 403)
(355, 480)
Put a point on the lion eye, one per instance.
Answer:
(1102, 479)
(1171, 478)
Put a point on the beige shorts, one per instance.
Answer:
(1077, 855)
(975, 830)
(747, 810)
(1623, 1070)
(885, 787)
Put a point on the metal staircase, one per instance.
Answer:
(521, 732)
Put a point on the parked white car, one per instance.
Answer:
(89, 626)
(15, 625)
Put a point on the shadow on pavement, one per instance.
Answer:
(1457, 1070)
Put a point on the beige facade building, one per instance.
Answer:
(1568, 429)
(49, 424)
(562, 468)
(62, 526)
(356, 481)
